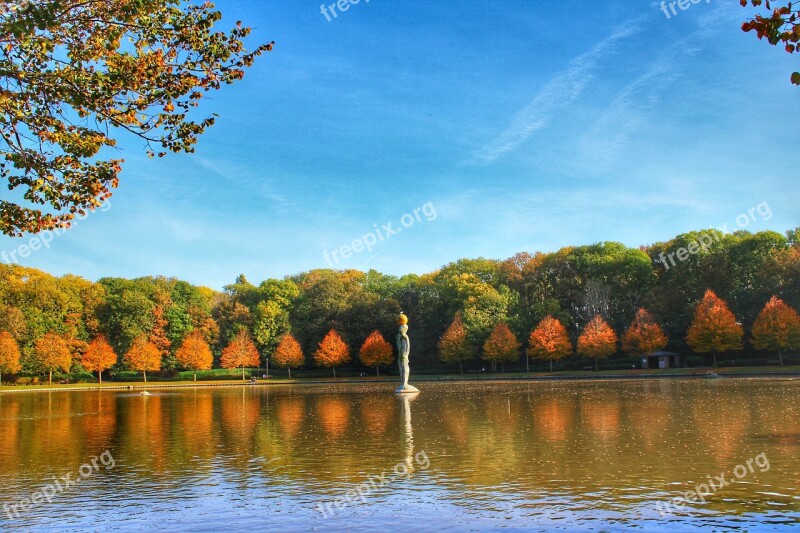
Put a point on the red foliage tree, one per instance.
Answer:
(288, 354)
(332, 351)
(143, 356)
(776, 328)
(99, 356)
(195, 353)
(376, 351)
(714, 328)
(9, 355)
(549, 341)
(644, 335)
(502, 345)
(241, 352)
(597, 340)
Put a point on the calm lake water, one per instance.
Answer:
(518, 456)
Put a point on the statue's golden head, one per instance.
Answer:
(402, 319)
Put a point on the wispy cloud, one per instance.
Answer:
(561, 91)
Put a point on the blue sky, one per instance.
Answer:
(523, 126)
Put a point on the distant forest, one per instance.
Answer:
(572, 284)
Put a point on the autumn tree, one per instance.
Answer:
(143, 356)
(288, 354)
(597, 340)
(74, 72)
(644, 335)
(52, 352)
(195, 353)
(332, 351)
(714, 328)
(240, 352)
(454, 345)
(776, 328)
(501, 345)
(376, 351)
(99, 356)
(158, 337)
(780, 27)
(9, 355)
(549, 341)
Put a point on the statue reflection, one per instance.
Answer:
(406, 430)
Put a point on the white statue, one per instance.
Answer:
(403, 349)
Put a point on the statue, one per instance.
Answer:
(403, 349)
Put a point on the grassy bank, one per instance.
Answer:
(731, 372)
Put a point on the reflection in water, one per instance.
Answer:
(514, 455)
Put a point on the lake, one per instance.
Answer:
(470, 456)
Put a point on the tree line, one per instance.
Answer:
(596, 302)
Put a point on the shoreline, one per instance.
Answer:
(141, 386)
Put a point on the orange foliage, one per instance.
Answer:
(332, 351)
(9, 354)
(241, 352)
(289, 353)
(597, 339)
(158, 336)
(714, 328)
(376, 351)
(644, 335)
(99, 356)
(549, 341)
(143, 356)
(453, 346)
(776, 328)
(52, 353)
(195, 353)
(502, 344)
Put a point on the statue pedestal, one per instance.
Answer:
(408, 388)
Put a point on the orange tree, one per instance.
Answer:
(195, 353)
(714, 328)
(501, 345)
(454, 345)
(76, 71)
(288, 354)
(241, 352)
(776, 328)
(52, 352)
(332, 351)
(9, 355)
(597, 340)
(549, 341)
(376, 351)
(143, 355)
(99, 356)
(644, 335)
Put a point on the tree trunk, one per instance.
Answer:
(334, 371)
(290, 372)
(145, 375)
(50, 378)
(551, 366)
(195, 375)
(460, 366)
(378, 370)
(527, 364)
(595, 364)
(100, 377)
(715, 359)
(502, 367)
(242, 373)
(1, 378)
(780, 356)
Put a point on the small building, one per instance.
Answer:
(661, 359)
